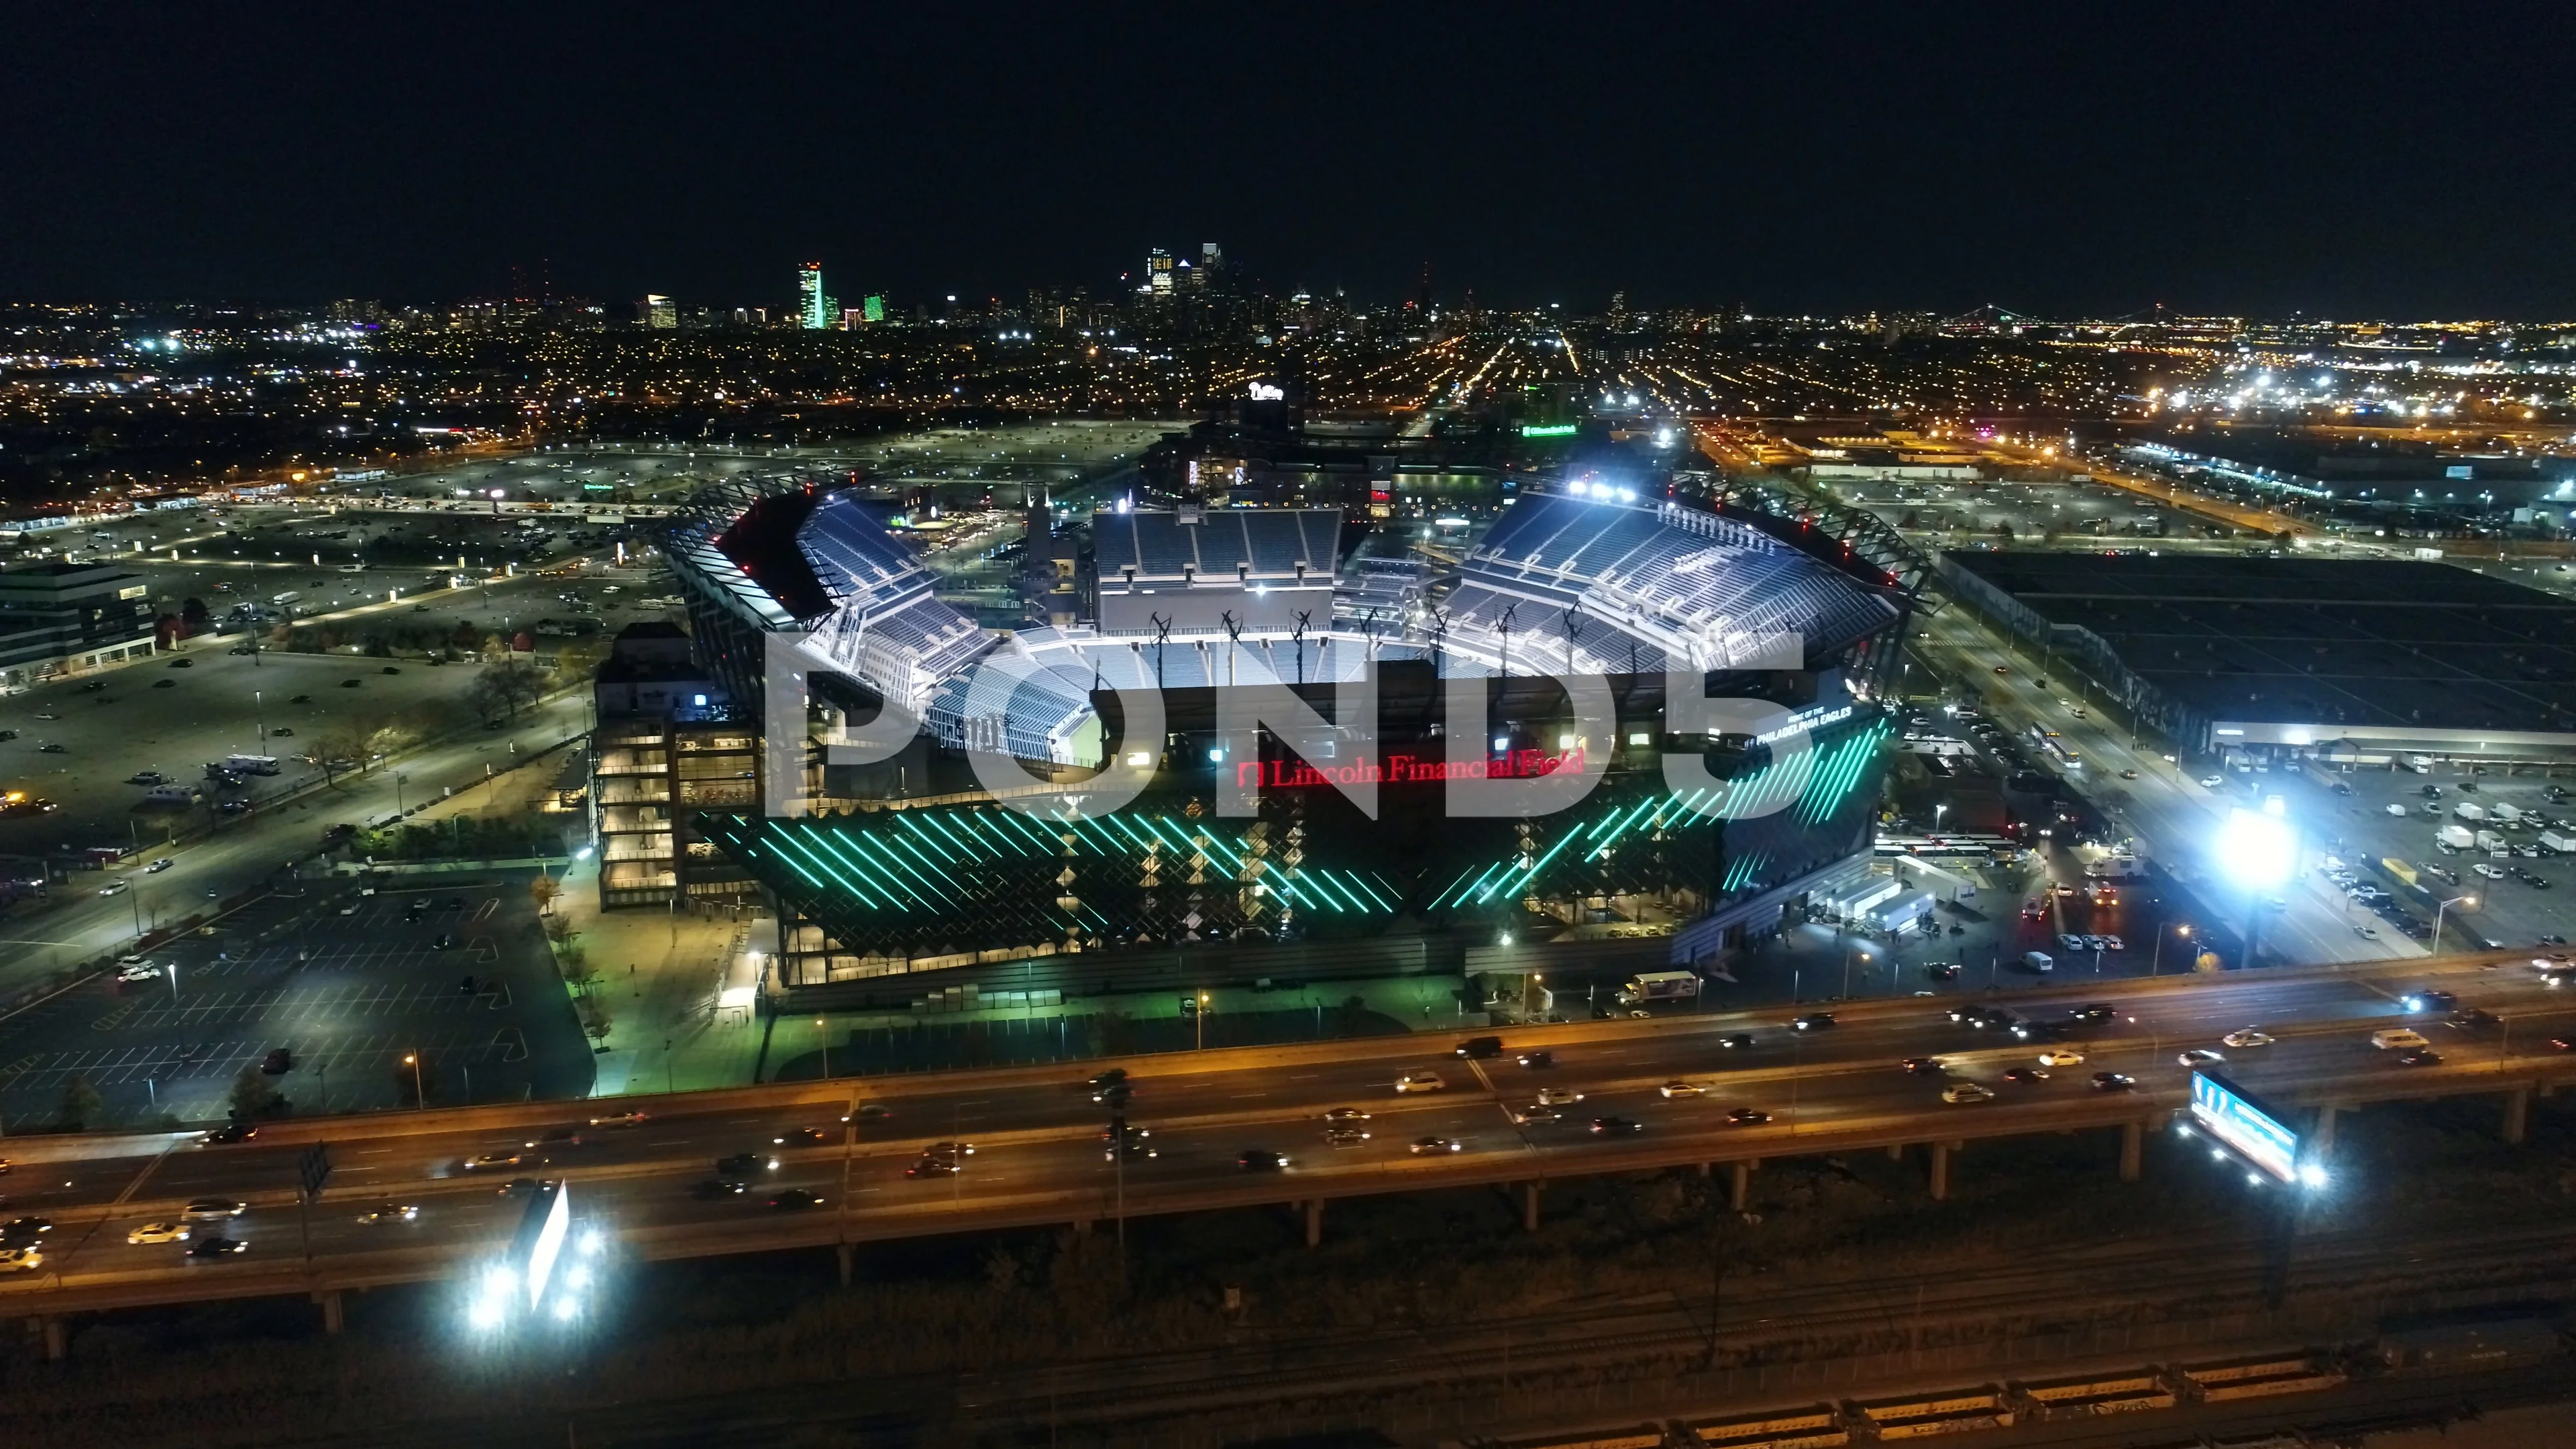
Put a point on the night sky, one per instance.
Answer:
(2056, 159)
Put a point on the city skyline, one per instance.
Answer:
(1839, 162)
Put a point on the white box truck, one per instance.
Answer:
(251, 764)
(2467, 811)
(2558, 840)
(2491, 842)
(2504, 810)
(2457, 837)
(2038, 961)
(2420, 764)
(1660, 986)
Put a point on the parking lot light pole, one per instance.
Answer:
(2470, 901)
(419, 1098)
(2156, 963)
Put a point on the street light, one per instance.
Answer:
(2470, 901)
(827, 1047)
(1848, 953)
(1201, 1018)
(2157, 964)
(419, 1098)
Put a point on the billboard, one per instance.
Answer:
(540, 1239)
(2235, 1119)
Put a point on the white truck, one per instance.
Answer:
(2564, 842)
(173, 795)
(2492, 842)
(2504, 810)
(251, 764)
(2468, 811)
(1660, 986)
(2420, 764)
(2458, 837)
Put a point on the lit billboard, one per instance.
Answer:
(2234, 1118)
(541, 1238)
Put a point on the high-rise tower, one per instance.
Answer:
(814, 310)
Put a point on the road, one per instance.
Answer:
(1039, 1156)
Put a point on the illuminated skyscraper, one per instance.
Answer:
(810, 302)
(873, 309)
(1158, 271)
(659, 314)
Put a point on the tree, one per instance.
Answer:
(543, 891)
(193, 613)
(252, 1094)
(504, 687)
(2003, 531)
(81, 1104)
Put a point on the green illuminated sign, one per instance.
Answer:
(1547, 430)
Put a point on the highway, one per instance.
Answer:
(1039, 1157)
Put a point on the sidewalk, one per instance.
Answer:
(661, 973)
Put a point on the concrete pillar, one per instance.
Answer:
(329, 1298)
(1314, 1221)
(1940, 1171)
(2517, 1115)
(1529, 1206)
(1740, 1190)
(2325, 1128)
(848, 1253)
(2133, 1142)
(58, 1339)
(1706, 1168)
(1896, 1152)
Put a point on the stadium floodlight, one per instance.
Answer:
(2257, 850)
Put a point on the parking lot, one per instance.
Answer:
(348, 996)
(2521, 896)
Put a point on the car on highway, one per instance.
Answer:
(25, 1229)
(1102, 1082)
(1558, 1096)
(1812, 1021)
(116, 888)
(717, 1187)
(1678, 1088)
(800, 1137)
(2212, 782)
(1735, 1041)
(487, 1160)
(1923, 1066)
(2399, 1039)
(2248, 1037)
(1616, 1126)
(230, 1132)
(1479, 1047)
(2024, 1076)
(2061, 1057)
(158, 866)
(1962, 1094)
(1345, 1136)
(21, 1260)
(621, 1119)
(2113, 1082)
(205, 1209)
(392, 1212)
(2428, 1000)
(1430, 1146)
(1345, 1114)
(1419, 1082)
(206, 1249)
(2198, 1057)
(1135, 1142)
(2420, 1057)
(159, 1233)
(1538, 1059)
(1535, 1112)
(2470, 1018)
(1261, 1159)
(1747, 1117)
(796, 1199)
(746, 1164)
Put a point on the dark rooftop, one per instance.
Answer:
(2355, 642)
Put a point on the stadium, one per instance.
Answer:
(902, 875)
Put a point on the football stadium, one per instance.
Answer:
(898, 866)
